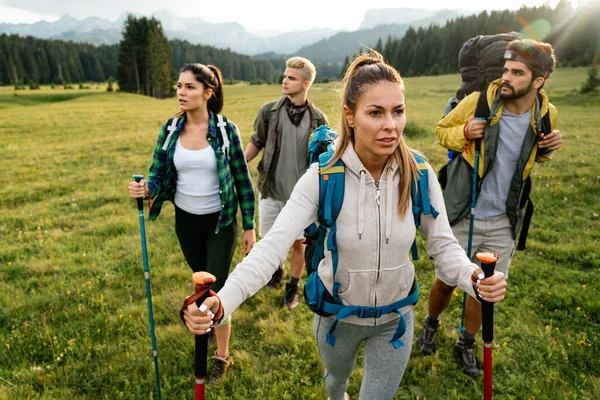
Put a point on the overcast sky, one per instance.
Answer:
(257, 15)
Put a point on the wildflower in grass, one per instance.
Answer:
(7, 346)
(578, 308)
(547, 327)
(583, 286)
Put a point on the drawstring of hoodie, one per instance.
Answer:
(388, 206)
(361, 203)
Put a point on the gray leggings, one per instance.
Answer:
(384, 366)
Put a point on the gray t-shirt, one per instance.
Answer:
(495, 186)
(292, 162)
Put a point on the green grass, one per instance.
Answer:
(73, 314)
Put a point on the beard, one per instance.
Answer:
(514, 94)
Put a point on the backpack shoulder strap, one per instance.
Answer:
(331, 188)
(420, 198)
(267, 115)
(527, 204)
(482, 110)
(223, 127)
(171, 125)
(331, 196)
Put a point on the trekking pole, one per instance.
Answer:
(203, 281)
(488, 264)
(140, 204)
(461, 328)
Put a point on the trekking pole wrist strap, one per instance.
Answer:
(466, 131)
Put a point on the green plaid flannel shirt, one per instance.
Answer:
(235, 184)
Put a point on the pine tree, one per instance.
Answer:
(379, 46)
(592, 82)
(345, 66)
(159, 62)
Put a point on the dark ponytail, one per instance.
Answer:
(211, 77)
(215, 103)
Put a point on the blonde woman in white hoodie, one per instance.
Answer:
(375, 231)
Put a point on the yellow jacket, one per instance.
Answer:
(451, 129)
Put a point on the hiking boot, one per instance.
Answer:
(291, 296)
(426, 340)
(465, 351)
(220, 368)
(275, 281)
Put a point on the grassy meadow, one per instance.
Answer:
(73, 313)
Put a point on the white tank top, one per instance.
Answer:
(197, 189)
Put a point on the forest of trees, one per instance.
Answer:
(574, 34)
(30, 60)
(424, 51)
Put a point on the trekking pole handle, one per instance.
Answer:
(478, 141)
(140, 201)
(203, 281)
(488, 263)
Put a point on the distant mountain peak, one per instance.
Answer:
(66, 17)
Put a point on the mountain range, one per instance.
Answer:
(322, 45)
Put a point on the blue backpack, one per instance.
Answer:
(331, 195)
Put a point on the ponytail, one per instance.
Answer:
(215, 103)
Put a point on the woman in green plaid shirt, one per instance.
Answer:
(199, 165)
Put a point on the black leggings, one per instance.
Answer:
(205, 250)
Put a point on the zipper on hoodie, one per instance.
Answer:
(378, 202)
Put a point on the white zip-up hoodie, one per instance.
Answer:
(373, 242)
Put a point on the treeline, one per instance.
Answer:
(434, 50)
(40, 61)
(43, 61)
(574, 34)
(234, 66)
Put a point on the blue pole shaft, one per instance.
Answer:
(149, 296)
